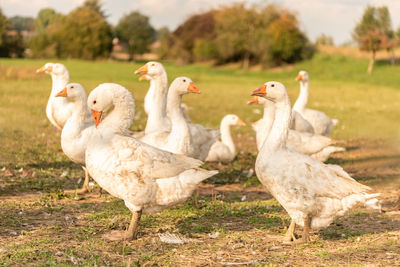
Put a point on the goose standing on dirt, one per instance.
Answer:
(313, 193)
(155, 101)
(188, 139)
(146, 178)
(224, 150)
(58, 110)
(317, 146)
(76, 133)
(321, 123)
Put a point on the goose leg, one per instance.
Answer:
(306, 231)
(85, 187)
(131, 233)
(289, 236)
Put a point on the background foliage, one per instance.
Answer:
(265, 35)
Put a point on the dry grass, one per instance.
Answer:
(352, 51)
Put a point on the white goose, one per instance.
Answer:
(224, 150)
(149, 102)
(300, 124)
(76, 132)
(146, 178)
(180, 138)
(58, 110)
(321, 123)
(317, 146)
(313, 193)
(155, 101)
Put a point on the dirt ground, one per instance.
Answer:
(231, 221)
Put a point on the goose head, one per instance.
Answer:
(73, 92)
(53, 69)
(273, 91)
(151, 69)
(109, 96)
(183, 85)
(302, 76)
(232, 119)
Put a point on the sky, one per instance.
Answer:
(336, 18)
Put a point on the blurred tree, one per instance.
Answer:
(269, 35)
(44, 43)
(287, 43)
(236, 28)
(265, 34)
(45, 18)
(17, 40)
(323, 39)
(164, 36)
(373, 32)
(22, 23)
(15, 45)
(83, 33)
(199, 26)
(204, 49)
(135, 29)
(4, 22)
(95, 5)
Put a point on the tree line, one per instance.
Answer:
(267, 34)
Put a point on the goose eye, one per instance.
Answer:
(184, 80)
(94, 102)
(272, 85)
(72, 87)
(153, 65)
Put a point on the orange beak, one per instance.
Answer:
(97, 116)
(142, 78)
(240, 122)
(142, 70)
(254, 100)
(262, 91)
(299, 77)
(43, 69)
(63, 92)
(193, 89)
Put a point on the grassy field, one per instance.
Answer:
(231, 219)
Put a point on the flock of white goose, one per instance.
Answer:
(160, 167)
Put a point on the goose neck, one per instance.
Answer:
(180, 135)
(158, 111)
(174, 109)
(269, 110)
(268, 117)
(226, 136)
(59, 82)
(160, 85)
(302, 100)
(121, 116)
(76, 123)
(277, 137)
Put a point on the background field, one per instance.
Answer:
(40, 225)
